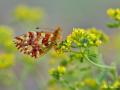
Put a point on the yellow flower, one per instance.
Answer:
(99, 34)
(61, 69)
(92, 36)
(114, 13)
(118, 11)
(69, 40)
(6, 34)
(77, 31)
(57, 73)
(24, 13)
(116, 84)
(111, 12)
(6, 38)
(98, 42)
(104, 85)
(6, 60)
(90, 82)
(118, 16)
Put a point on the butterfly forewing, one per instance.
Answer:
(34, 43)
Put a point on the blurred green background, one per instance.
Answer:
(19, 72)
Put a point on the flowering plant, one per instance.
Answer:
(81, 47)
(74, 71)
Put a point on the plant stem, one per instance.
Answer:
(99, 65)
(67, 84)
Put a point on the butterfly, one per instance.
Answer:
(37, 43)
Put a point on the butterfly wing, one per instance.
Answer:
(33, 43)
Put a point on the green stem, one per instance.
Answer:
(74, 46)
(67, 84)
(99, 65)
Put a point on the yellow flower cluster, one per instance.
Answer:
(6, 38)
(57, 73)
(83, 38)
(100, 36)
(104, 85)
(90, 82)
(73, 37)
(61, 69)
(24, 13)
(6, 60)
(6, 47)
(115, 85)
(5, 31)
(114, 13)
(86, 37)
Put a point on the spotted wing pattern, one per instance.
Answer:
(36, 44)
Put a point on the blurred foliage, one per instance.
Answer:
(7, 48)
(7, 56)
(6, 60)
(26, 14)
(6, 39)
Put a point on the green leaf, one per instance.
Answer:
(113, 25)
(93, 54)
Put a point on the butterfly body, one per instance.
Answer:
(36, 44)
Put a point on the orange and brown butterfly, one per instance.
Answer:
(37, 43)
